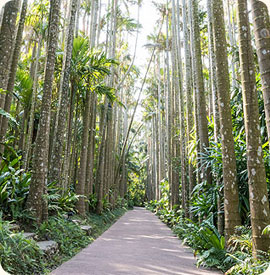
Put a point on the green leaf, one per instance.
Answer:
(8, 116)
(265, 144)
(2, 91)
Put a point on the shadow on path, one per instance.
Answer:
(138, 243)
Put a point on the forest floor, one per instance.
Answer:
(138, 243)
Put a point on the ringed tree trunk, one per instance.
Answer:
(194, 98)
(13, 69)
(215, 111)
(200, 92)
(169, 116)
(36, 202)
(262, 38)
(29, 138)
(7, 38)
(188, 93)
(80, 186)
(180, 98)
(61, 129)
(231, 33)
(231, 197)
(258, 196)
(89, 180)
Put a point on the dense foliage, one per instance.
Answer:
(209, 246)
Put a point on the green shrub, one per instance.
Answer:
(247, 265)
(14, 187)
(69, 236)
(59, 201)
(240, 248)
(19, 255)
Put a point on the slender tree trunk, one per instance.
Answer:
(258, 196)
(200, 92)
(169, 114)
(101, 163)
(91, 143)
(61, 126)
(36, 202)
(232, 44)
(80, 186)
(13, 69)
(178, 48)
(123, 164)
(91, 149)
(7, 38)
(194, 98)
(262, 39)
(160, 132)
(231, 197)
(77, 23)
(213, 80)
(28, 142)
(188, 93)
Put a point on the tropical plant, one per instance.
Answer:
(14, 187)
(19, 255)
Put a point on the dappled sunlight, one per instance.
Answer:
(136, 248)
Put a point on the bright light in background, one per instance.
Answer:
(267, 2)
(3, 2)
(149, 15)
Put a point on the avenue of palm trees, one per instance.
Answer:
(84, 129)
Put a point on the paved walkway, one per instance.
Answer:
(137, 244)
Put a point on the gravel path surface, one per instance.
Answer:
(138, 243)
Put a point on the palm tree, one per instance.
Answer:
(258, 196)
(61, 124)
(262, 35)
(91, 74)
(36, 201)
(7, 38)
(199, 88)
(231, 197)
(188, 92)
(13, 68)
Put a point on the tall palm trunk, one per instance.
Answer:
(200, 92)
(231, 197)
(28, 142)
(262, 39)
(13, 68)
(80, 186)
(7, 38)
(36, 202)
(91, 149)
(169, 115)
(154, 158)
(188, 93)
(178, 49)
(61, 124)
(258, 196)
(161, 167)
(215, 111)
(102, 173)
(157, 142)
(232, 44)
(77, 22)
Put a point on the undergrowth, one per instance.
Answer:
(21, 256)
(209, 246)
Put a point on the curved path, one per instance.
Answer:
(138, 243)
